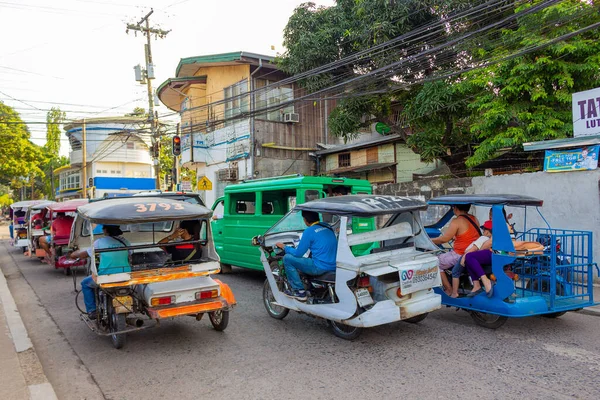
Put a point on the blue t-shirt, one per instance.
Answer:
(112, 262)
(321, 242)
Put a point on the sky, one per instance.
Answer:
(76, 54)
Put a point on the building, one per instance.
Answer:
(118, 159)
(376, 157)
(223, 138)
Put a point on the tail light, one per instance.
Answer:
(162, 301)
(364, 282)
(207, 294)
(399, 292)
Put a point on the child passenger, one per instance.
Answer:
(481, 243)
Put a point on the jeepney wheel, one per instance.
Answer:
(344, 331)
(275, 311)
(490, 321)
(225, 268)
(117, 323)
(219, 319)
(416, 319)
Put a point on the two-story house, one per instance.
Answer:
(225, 136)
(118, 159)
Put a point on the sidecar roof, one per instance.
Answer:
(69, 205)
(363, 205)
(137, 210)
(487, 200)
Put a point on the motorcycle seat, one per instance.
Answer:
(328, 276)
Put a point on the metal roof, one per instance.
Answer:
(487, 199)
(356, 146)
(562, 143)
(138, 210)
(236, 57)
(170, 94)
(363, 205)
(69, 205)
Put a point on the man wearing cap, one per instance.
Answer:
(110, 262)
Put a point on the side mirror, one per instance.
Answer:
(257, 240)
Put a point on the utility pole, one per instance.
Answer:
(146, 76)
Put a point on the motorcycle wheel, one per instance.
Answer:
(219, 319)
(344, 331)
(275, 311)
(490, 321)
(418, 318)
(117, 323)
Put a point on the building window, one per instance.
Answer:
(343, 160)
(70, 181)
(273, 97)
(130, 145)
(235, 101)
(372, 155)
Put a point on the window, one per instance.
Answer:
(343, 160)
(273, 97)
(372, 155)
(70, 180)
(130, 145)
(243, 203)
(235, 101)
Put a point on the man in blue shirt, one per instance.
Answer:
(112, 262)
(320, 239)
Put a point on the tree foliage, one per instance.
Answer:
(19, 158)
(463, 119)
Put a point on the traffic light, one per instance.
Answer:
(176, 145)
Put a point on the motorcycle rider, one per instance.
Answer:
(110, 262)
(320, 239)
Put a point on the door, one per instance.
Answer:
(217, 225)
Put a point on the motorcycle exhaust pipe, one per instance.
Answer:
(134, 322)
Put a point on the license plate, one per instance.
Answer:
(363, 297)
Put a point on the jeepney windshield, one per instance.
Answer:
(294, 222)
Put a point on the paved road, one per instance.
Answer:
(446, 356)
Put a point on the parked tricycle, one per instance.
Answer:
(18, 227)
(383, 274)
(37, 219)
(59, 240)
(151, 274)
(534, 271)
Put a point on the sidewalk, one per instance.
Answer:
(595, 310)
(21, 374)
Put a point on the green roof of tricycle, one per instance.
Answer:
(293, 182)
(487, 200)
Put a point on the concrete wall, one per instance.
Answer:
(571, 199)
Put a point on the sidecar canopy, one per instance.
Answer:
(137, 210)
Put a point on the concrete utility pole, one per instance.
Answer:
(149, 75)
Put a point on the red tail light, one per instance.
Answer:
(363, 281)
(162, 301)
(207, 294)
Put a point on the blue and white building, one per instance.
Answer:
(118, 159)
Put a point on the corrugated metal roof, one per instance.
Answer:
(362, 145)
(562, 143)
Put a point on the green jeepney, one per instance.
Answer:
(252, 207)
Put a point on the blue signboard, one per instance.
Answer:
(582, 159)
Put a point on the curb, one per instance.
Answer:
(37, 383)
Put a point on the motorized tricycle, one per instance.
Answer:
(153, 284)
(384, 273)
(549, 278)
(37, 219)
(59, 243)
(18, 227)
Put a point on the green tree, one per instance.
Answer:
(54, 118)
(19, 157)
(463, 119)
